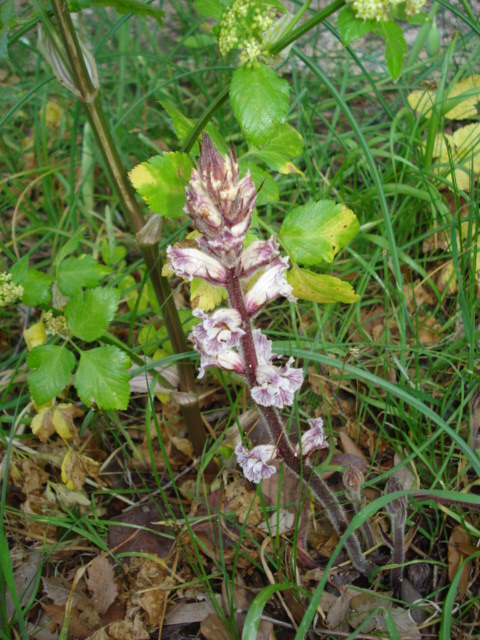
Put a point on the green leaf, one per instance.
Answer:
(183, 125)
(69, 247)
(102, 377)
(7, 13)
(210, 9)
(75, 273)
(112, 255)
(284, 146)
(255, 610)
(315, 232)
(136, 7)
(395, 47)
(53, 369)
(89, 313)
(269, 191)
(352, 28)
(36, 284)
(260, 102)
(161, 182)
(205, 296)
(200, 41)
(317, 287)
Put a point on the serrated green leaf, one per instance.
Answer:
(317, 287)
(352, 28)
(395, 46)
(53, 369)
(110, 256)
(37, 288)
(286, 145)
(7, 13)
(161, 182)
(269, 191)
(89, 313)
(36, 284)
(19, 270)
(75, 273)
(102, 377)
(315, 232)
(260, 102)
(210, 9)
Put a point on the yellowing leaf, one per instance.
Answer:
(320, 288)
(53, 114)
(42, 425)
(468, 107)
(421, 101)
(75, 469)
(63, 417)
(440, 148)
(467, 141)
(35, 335)
(205, 296)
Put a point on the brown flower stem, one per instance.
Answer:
(116, 170)
(302, 469)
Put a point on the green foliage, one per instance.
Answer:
(183, 126)
(211, 8)
(352, 28)
(89, 313)
(102, 377)
(315, 232)
(36, 285)
(268, 189)
(53, 369)
(75, 273)
(7, 14)
(285, 145)
(321, 288)
(136, 7)
(260, 102)
(161, 182)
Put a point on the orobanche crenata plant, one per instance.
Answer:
(220, 205)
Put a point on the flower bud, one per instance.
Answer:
(313, 439)
(258, 255)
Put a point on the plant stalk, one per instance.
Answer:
(96, 116)
(303, 470)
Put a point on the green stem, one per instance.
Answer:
(309, 24)
(204, 119)
(125, 193)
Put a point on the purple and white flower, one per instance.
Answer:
(263, 347)
(228, 360)
(258, 255)
(313, 439)
(219, 331)
(269, 286)
(192, 263)
(255, 463)
(276, 386)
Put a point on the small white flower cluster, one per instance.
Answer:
(9, 292)
(243, 27)
(379, 10)
(220, 205)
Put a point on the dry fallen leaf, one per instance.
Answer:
(101, 583)
(457, 552)
(212, 628)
